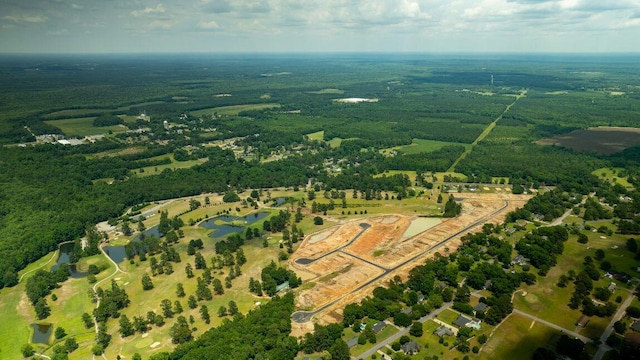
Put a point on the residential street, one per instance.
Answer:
(381, 344)
(607, 332)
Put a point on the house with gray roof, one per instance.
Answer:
(352, 342)
(481, 307)
(379, 326)
(461, 321)
(443, 331)
(410, 348)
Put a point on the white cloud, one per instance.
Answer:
(26, 18)
(159, 9)
(208, 25)
(60, 32)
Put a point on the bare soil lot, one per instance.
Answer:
(346, 262)
(602, 140)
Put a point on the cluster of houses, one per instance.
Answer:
(377, 327)
(60, 139)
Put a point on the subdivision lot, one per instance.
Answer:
(365, 253)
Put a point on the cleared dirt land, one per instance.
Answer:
(343, 264)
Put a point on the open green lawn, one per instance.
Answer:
(440, 176)
(430, 342)
(411, 174)
(233, 109)
(83, 126)
(422, 206)
(317, 136)
(157, 169)
(421, 146)
(448, 316)
(517, 338)
(81, 112)
(612, 175)
(549, 302)
(326, 91)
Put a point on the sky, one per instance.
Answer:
(114, 26)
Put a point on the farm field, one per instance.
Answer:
(602, 140)
(233, 109)
(175, 164)
(422, 146)
(83, 126)
(90, 111)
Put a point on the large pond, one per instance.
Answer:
(41, 333)
(118, 254)
(231, 224)
(66, 251)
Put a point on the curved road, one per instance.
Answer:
(95, 286)
(39, 267)
(305, 316)
(307, 261)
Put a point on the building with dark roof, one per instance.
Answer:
(352, 342)
(410, 348)
(379, 326)
(481, 307)
(443, 331)
(461, 321)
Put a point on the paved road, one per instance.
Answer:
(603, 348)
(305, 316)
(554, 326)
(39, 267)
(403, 331)
(307, 261)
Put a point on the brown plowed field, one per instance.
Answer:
(382, 247)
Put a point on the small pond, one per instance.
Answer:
(241, 223)
(280, 200)
(41, 333)
(66, 251)
(118, 254)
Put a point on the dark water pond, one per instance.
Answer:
(66, 251)
(279, 201)
(118, 254)
(225, 229)
(41, 333)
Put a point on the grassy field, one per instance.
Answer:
(155, 170)
(549, 302)
(421, 146)
(317, 136)
(81, 112)
(17, 312)
(440, 176)
(335, 142)
(611, 175)
(233, 109)
(517, 338)
(83, 126)
(326, 91)
(411, 174)
(422, 206)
